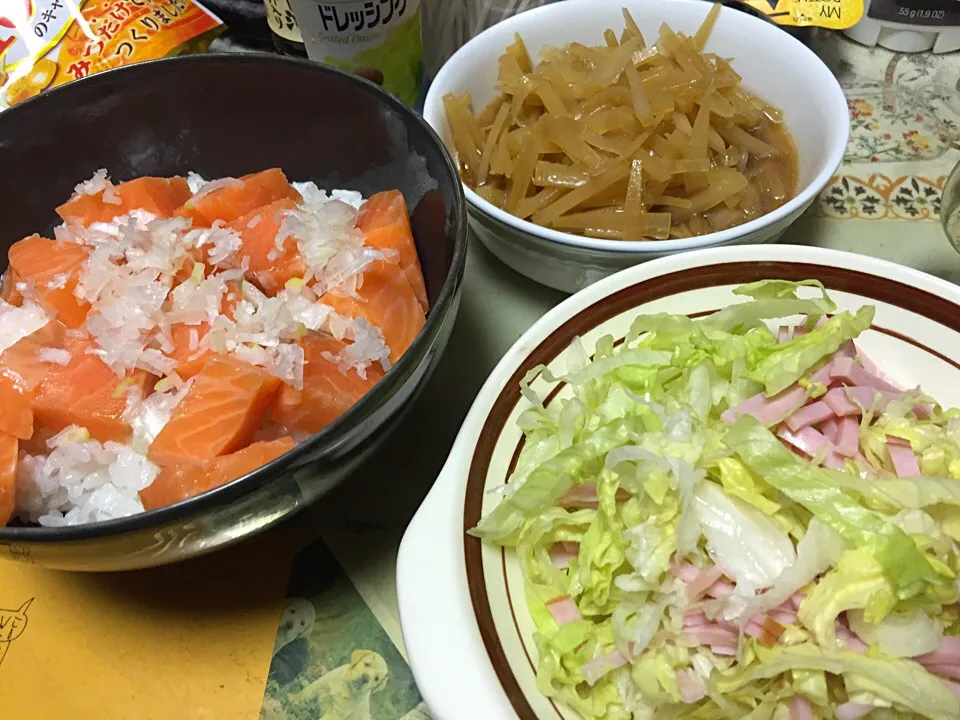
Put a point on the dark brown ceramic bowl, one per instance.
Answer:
(227, 115)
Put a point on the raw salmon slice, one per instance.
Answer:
(21, 373)
(186, 480)
(231, 200)
(327, 392)
(190, 360)
(8, 288)
(86, 393)
(219, 414)
(269, 269)
(385, 221)
(9, 447)
(386, 301)
(54, 269)
(159, 196)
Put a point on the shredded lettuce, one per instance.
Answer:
(716, 572)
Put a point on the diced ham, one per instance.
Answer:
(811, 414)
(852, 711)
(768, 411)
(724, 649)
(691, 687)
(684, 571)
(585, 496)
(712, 634)
(831, 429)
(947, 671)
(904, 461)
(699, 585)
(563, 552)
(784, 617)
(947, 654)
(848, 436)
(856, 399)
(766, 630)
(848, 370)
(564, 610)
(800, 708)
(807, 440)
(594, 670)
(719, 589)
(872, 368)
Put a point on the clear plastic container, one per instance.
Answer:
(909, 26)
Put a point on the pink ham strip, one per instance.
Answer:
(723, 649)
(796, 599)
(947, 671)
(712, 635)
(562, 553)
(800, 708)
(594, 670)
(807, 440)
(852, 711)
(833, 461)
(947, 654)
(684, 571)
(853, 643)
(848, 437)
(768, 411)
(691, 687)
(786, 334)
(784, 617)
(799, 330)
(765, 629)
(854, 400)
(904, 461)
(809, 415)
(831, 429)
(719, 589)
(704, 580)
(585, 496)
(847, 369)
(871, 367)
(564, 610)
(695, 618)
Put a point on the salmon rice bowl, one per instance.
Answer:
(177, 333)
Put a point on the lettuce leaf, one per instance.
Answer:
(814, 488)
(902, 682)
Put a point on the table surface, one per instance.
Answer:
(883, 202)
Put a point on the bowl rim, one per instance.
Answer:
(837, 143)
(331, 436)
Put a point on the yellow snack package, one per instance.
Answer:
(45, 43)
(830, 14)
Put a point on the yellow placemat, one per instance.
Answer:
(190, 641)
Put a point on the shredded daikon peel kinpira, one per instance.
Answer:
(625, 140)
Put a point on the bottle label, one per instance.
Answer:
(282, 21)
(377, 39)
(942, 13)
(830, 14)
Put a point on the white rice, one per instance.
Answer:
(134, 282)
(81, 481)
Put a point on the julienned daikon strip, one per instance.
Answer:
(563, 123)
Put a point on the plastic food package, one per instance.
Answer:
(45, 43)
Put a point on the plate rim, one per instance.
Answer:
(927, 295)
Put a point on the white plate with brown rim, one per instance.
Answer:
(465, 624)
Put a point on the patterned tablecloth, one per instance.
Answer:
(338, 651)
